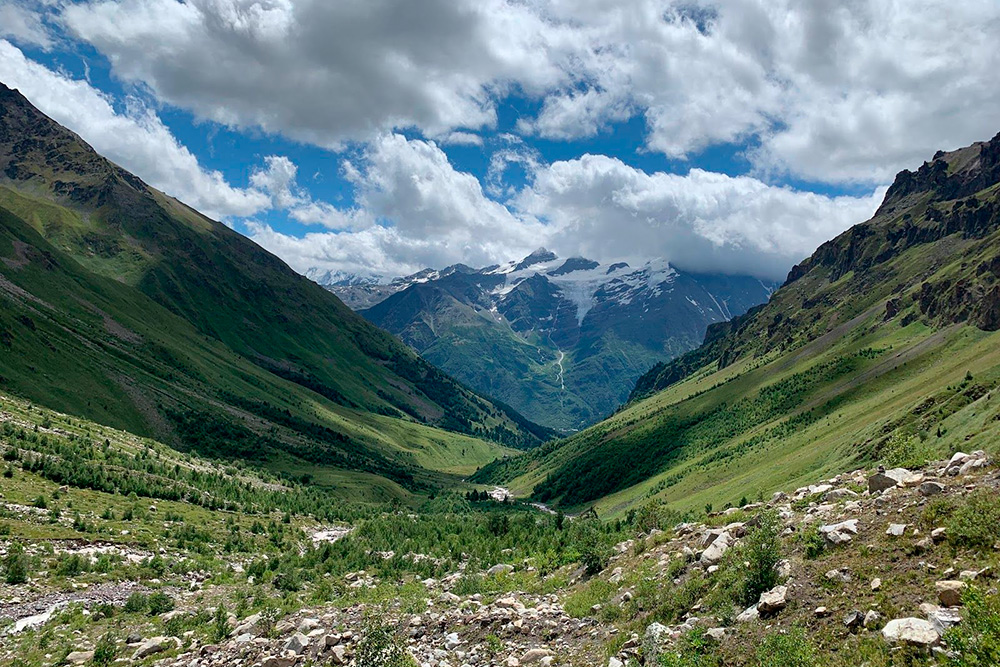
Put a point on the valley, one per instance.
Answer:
(562, 341)
(207, 459)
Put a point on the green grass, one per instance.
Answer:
(818, 381)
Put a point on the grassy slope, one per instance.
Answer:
(823, 377)
(130, 331)
(227, 287)
(93, 346)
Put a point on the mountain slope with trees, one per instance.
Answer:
(560, 340)
(125, 306)
(882, 345)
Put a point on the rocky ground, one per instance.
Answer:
(866, 560)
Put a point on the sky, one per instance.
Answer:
(380, 137)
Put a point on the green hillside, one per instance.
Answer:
(126, 307)
(880, 347)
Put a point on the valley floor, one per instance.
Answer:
(96, 574)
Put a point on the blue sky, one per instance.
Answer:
(380, 137)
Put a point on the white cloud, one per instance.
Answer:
(847, 92)
(22, 21)
(136, 138)
(320, 71)
(430, 214)
(599, 207)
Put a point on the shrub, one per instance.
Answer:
(692, 650)
(786, 650)
(594, 553)
(381, 644)
(15, 564)
(974, 522)
(813, 542)
(761, 551)
(976, 640)
(136, 603)
(105, 651)
(160, 603)
(220, 624)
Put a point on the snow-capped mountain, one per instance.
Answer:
(561, 340)
(327, 277)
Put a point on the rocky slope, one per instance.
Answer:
(560, 340)
(878, 566)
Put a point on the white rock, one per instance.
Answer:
(773, 600)
(912, 631)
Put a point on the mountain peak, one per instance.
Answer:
(537, 257)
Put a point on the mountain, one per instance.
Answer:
(882, 346)
(330, 277)
(123, 305)
(560, 340)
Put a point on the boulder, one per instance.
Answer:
(941, 619)
(654, 641)
(887, 479)
(840, 533)
(896, 529)
(773, 601)
(853, 620)
(911, 631)
(872, 619)
(535, 655)
(279, 661)
(500, 568)
(79, 657)
(716, 550)
(749, 614)
(338, 655)
(842, 575)
(931, 488)
(297, 643)
(949, 592)
(155, 645)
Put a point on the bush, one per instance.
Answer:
(160, 603)
(594, 553)
(692, 650)
(381, 644)
(15, 564)
(813, 542)
(105, 651)
(974, 522)
(976, 641)
(136, 603)
(761, 551)
(786, 650)
(220, 624)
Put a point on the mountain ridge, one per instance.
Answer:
(883, 340)
(130, 308)
(561, 340)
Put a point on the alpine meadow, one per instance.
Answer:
(487, 334)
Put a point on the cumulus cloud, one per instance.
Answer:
(321, 71)
(840, 93)
(424, 213)
(134, 138)
(22, 21)
(598, 206)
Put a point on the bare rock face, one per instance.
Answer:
(840, 533)
(715, 551)
(888, 479)
(773, 601)
(950, 592)
(911, 631)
